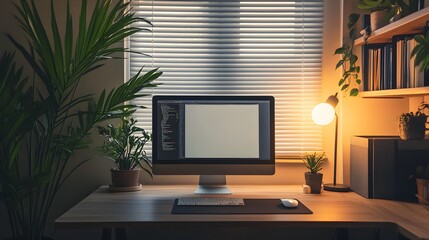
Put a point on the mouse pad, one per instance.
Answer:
(251, 206)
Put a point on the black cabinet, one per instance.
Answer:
(380, 166)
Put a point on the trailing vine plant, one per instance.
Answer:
(350, 78)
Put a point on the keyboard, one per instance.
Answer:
(210, 201)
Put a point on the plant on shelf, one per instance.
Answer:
(313, 162)
(384, 11)
(44, 120)
(350, 77)
(405, 8)
(412, 126)
(381, 11)
(126, 149)
(421, 51)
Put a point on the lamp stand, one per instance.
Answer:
(334, 187)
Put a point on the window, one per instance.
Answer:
(232, 47)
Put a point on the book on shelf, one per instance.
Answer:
(390, 65)
(378, 67)
(408, 75)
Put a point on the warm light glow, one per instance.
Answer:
(323, 114)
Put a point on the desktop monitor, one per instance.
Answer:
(213, 136)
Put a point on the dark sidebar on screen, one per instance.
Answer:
(169, 124)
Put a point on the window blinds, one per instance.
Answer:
(237, 48)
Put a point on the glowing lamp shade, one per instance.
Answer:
(323, 114)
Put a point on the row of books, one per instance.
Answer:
(390, 66)
(408, 75)
(380, 68)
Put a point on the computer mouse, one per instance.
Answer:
(289, 202)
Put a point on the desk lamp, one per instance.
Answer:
(323, 114)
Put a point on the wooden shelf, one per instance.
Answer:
(394, 93)
(413, 23)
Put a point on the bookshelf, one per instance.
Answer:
(411, 24)
(392, 93)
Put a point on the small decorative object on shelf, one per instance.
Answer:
(314, 161)
(412, 126)
(126, 149)
(422, 181)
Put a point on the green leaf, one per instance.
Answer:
(353, 18)
(370, 4)
(340, 50)
(358, 81)
(392, 12)
(341, 82)
(344, 87)
(354, 92)
(68, 40)
(419, 38)
(339, 64)
(346, 75)
(353, 59)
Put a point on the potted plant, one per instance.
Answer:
(44, 119)
(412, 126)
(382, 12)
(313, 162)
(126, 149)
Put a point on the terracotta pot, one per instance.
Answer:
(378, 19)
(125, 178)
(314, 181)
(414, 129)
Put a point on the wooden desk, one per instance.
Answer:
(151, 208)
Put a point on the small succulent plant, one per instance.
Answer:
(314, 161)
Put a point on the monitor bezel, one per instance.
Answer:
(212, 161)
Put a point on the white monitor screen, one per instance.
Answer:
(221, 131)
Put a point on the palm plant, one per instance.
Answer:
(44, 121)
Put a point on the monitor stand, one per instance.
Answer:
(212, 184)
